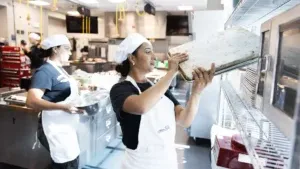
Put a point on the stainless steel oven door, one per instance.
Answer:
(282, 74)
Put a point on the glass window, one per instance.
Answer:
(287, 72)
(264, 51)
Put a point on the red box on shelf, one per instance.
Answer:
(15, 72)
(226, 156)
(10, 81)
(13, 66)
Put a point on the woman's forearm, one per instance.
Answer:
(146, 100)
(188, 114)
(41, 104)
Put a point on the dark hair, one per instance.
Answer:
(124, 67)
(41, 53)
(38, 55)
(23, 42)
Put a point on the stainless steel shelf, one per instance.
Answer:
(266, 145)
(248, 12)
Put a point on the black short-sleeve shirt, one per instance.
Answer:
(130, 123)
(56, 86)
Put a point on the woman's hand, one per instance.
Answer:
(70, 109)
(202, 78)
(174, 61)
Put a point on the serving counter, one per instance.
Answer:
(91, 67)
(20, 147)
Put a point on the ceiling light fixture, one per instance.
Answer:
(39, 3)
(116, 1)
(185, 8)
(73, 13)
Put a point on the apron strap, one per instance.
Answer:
(130, 79)
(60, 69)
(133, 82)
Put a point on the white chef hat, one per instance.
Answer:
(129, 45)
(34, 36)
(2, 40)
(55, 40)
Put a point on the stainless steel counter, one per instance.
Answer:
(91, 67)
(19, 145)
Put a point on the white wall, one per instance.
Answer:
(206, 23)
(10, 21)
(32, 25)
(3, 19)
(56, 26)
(17, 20)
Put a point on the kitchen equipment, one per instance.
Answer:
(90, 109)
(92, 102)
(280, 69)
(98, 49)
(229, 50)
(228, 157)
(17, 99)
(6, 91)
(13, 66)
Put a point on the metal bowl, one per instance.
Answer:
(91, 109)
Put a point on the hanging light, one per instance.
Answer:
(39, 3)
(120, 15)
(41, 21)
(28, 14)
(137, 9)
(54, 6)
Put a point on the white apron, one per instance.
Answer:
(157, 130)
(60, 127)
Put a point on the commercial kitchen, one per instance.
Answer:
(247, 117)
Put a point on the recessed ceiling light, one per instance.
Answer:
(39, 3)
(116, 1)
(185, 8)
(73, 13)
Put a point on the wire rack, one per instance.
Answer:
(248, 12)
(267, 147)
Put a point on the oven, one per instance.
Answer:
(263, 62)
(279, 69)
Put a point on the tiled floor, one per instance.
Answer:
(190, 155)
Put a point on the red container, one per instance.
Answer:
(237, 143)
(15, 72)
(10, 49)
(13, 66)
(10, 81)
(226, 156)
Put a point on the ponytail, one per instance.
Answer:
(123, 68)
(38, 56)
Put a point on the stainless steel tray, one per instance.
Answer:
(236, 65)
(6, 91)
(11, 100)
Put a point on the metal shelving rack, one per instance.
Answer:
(267, 147)
(247, 12)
